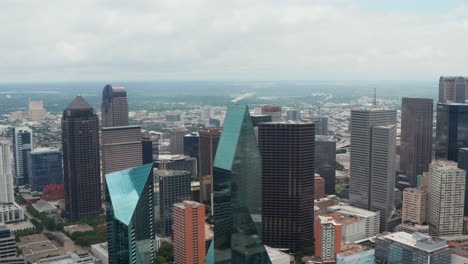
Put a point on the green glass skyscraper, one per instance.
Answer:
(130, 221)
(237, 194)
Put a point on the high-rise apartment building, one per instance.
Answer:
(321, 125)
(402, 247)
(45, 168)
(36, 111)
(416, 137)
(208, 144)
(121, 148)
(372, 181)
(325, 161)
(174, 187)
(189, 233)
(130, 215)
(9, 210)
(81, 161)
(451, 131)
(177, 140)
(446, 198)
(287, 150)
(22, 146)
(8, 251)
(414, 205)
(114, 106)
(463, 164)
(237, 196)
(328, 238)
(453, 89)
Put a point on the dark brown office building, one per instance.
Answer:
(209, 138)
(325, 161)
(416, 137)
(453, 89)
(287, 151)
(81, 164)
(114, 107)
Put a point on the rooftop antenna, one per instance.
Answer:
(374, 104)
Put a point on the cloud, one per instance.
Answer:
(238, 39)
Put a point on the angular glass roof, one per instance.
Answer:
(125, 188)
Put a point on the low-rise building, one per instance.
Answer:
(8, 247)
(79, 257)
(100, 252)
(45, 207)
(355, 254)
(11, 212)
(370, 221)
(277, 257)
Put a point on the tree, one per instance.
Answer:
(166, 251)
(161, 260)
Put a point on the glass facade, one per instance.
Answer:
(130, 215)
(237, 197)
(452, 130)
(45, 168)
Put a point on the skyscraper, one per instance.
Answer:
(237, 198)
(177, 140)
(416, 137)
(22, 146)
(446, 198)
(325, 161)
(321, 125)
(453, 89)
(328, 238)
(121, 148)
(287, 151)
(174, 187)
(6, 177)
(81, 161)
(36, 111)
(189, 233)
(130, 215)
(463, 164)
(293, 115)
(209, 138)
(45, 168)
(451, 131)
(191, 145)
(372, 181)
(114, 106)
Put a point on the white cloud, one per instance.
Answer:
(237, 39)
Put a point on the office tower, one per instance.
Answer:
(8, 247)
(81, 161)
(328, 238)
(177, 140)
(257, 119)
(416, 137)
(237, 197)
(273, 110)
(321, 125)
(463, 164)
(174, 187)
(446, 198)
(325, 161)
(45, 168)
(319, 187)
(36, 111)
(453, 89)
(147, 150)
(451, 131)
(209, 138)
(22, 146)
(189, 233)
(121, 148)
(206, 114)
(402, 247)
(114, 106)
(293, 115)
(414, 205)
(9, 210)
(173, 117)
(130, 216)
(372, 181)
(287, 151)
(191, 147)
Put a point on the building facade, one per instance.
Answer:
(453, 89)
(321, 125)
(293, 115)
(446, 198)
(325, 161)
(36, 111)
(451, 130)
(130, 215)
(372, 162)
(191, 145)
(81, 160)
(177, 140)
(22, 146)
(371, 221)
(328, 238)
(463, 164)
(6, 176)
(287, 150)
(416, 137)
(209, 139)
(414, 205)
(8, 247)
(114, 106)
(189, 233)
(319, 187)
(45, 168)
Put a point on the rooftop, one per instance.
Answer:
(351, 249)
(417, 240)
(169, 173)
(79, 103)
(324, 138)
(348, 209)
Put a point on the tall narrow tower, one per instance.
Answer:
(81, 161)
(114, 107)
(6, 177)
(22, 146)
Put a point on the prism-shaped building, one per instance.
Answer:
(130, 216)
(237, 193)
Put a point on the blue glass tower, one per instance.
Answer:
(237, 195)
(130, 221)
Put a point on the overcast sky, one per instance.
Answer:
(57, 40)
